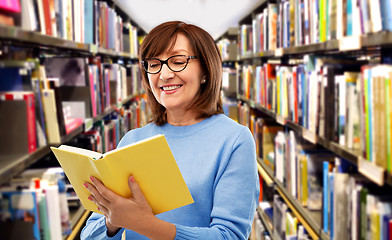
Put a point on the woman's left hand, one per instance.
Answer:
(119, 211)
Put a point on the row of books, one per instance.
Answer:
(291, 23)
(284, 225)
(51, 99)
(36, 203)
(105, 134)
(228, 49)
(340, 100)
(321, 182)
(41, 198)
(84, 21)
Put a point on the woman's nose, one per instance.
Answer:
(166, 73)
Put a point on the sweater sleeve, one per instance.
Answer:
(236, 192)
(96, 229)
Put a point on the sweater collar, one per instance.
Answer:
(182, 131)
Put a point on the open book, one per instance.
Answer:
(150, 161)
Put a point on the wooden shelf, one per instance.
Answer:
(75, 214)
(79, 223)
(348, 154)
(29, 38)
(266, 221)
(373, 40)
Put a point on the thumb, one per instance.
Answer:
(135, 189)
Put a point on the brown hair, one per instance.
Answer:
(163, 37)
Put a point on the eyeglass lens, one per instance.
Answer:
(175, 63)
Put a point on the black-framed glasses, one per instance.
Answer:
(176, 63)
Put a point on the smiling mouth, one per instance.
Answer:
(170, 88)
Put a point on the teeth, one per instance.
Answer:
(169, 88)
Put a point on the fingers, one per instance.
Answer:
(100, 207)
(103, 190)
(96, 195)
(135, 189)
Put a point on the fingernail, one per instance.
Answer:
(90, 198)
(85, 185)
(99, 209)
(92, 179)
(132, 179)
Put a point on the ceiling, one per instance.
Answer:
(214, 16)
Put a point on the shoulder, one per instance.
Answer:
(228, 125)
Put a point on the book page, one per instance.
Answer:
(85, 152)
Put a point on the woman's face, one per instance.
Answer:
(176, 91)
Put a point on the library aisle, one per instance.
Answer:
(310, 78)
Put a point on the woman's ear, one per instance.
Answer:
(203, 79)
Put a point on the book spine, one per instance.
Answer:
(30, 110)
(386, 14)
(325, 195)
(367, 94)
(389, 114)
(331, 206)
(46, 8)
(92, 91)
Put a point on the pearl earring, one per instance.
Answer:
(203, 81)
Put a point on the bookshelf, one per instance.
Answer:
(13, 165)
(20, 45)
(259, 46)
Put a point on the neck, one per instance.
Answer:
(183, 118)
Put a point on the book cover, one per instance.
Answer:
(280, 157)
(50, 112)
(28, 98)
(352, 130)
(375, 15)
(46, 14)
(10, 5)
(20, 206)
(291, 225)
(269, 133)
(39, 111)
(152, 165)
(365, 16)
(272, 24)
(279, 219)
(15, 78)
(29, 21)
(315, 178)
(327, 168)
(386, 14)
(340, 205)
(69, 71)
(302, 178)
(13, 119)
(55, 86)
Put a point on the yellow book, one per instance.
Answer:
(150, 161)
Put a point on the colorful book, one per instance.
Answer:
(155, 171)
(28, 98)
(20, 206)
(50, 112)
(10, 5)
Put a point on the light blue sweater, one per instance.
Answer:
(217, 159)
